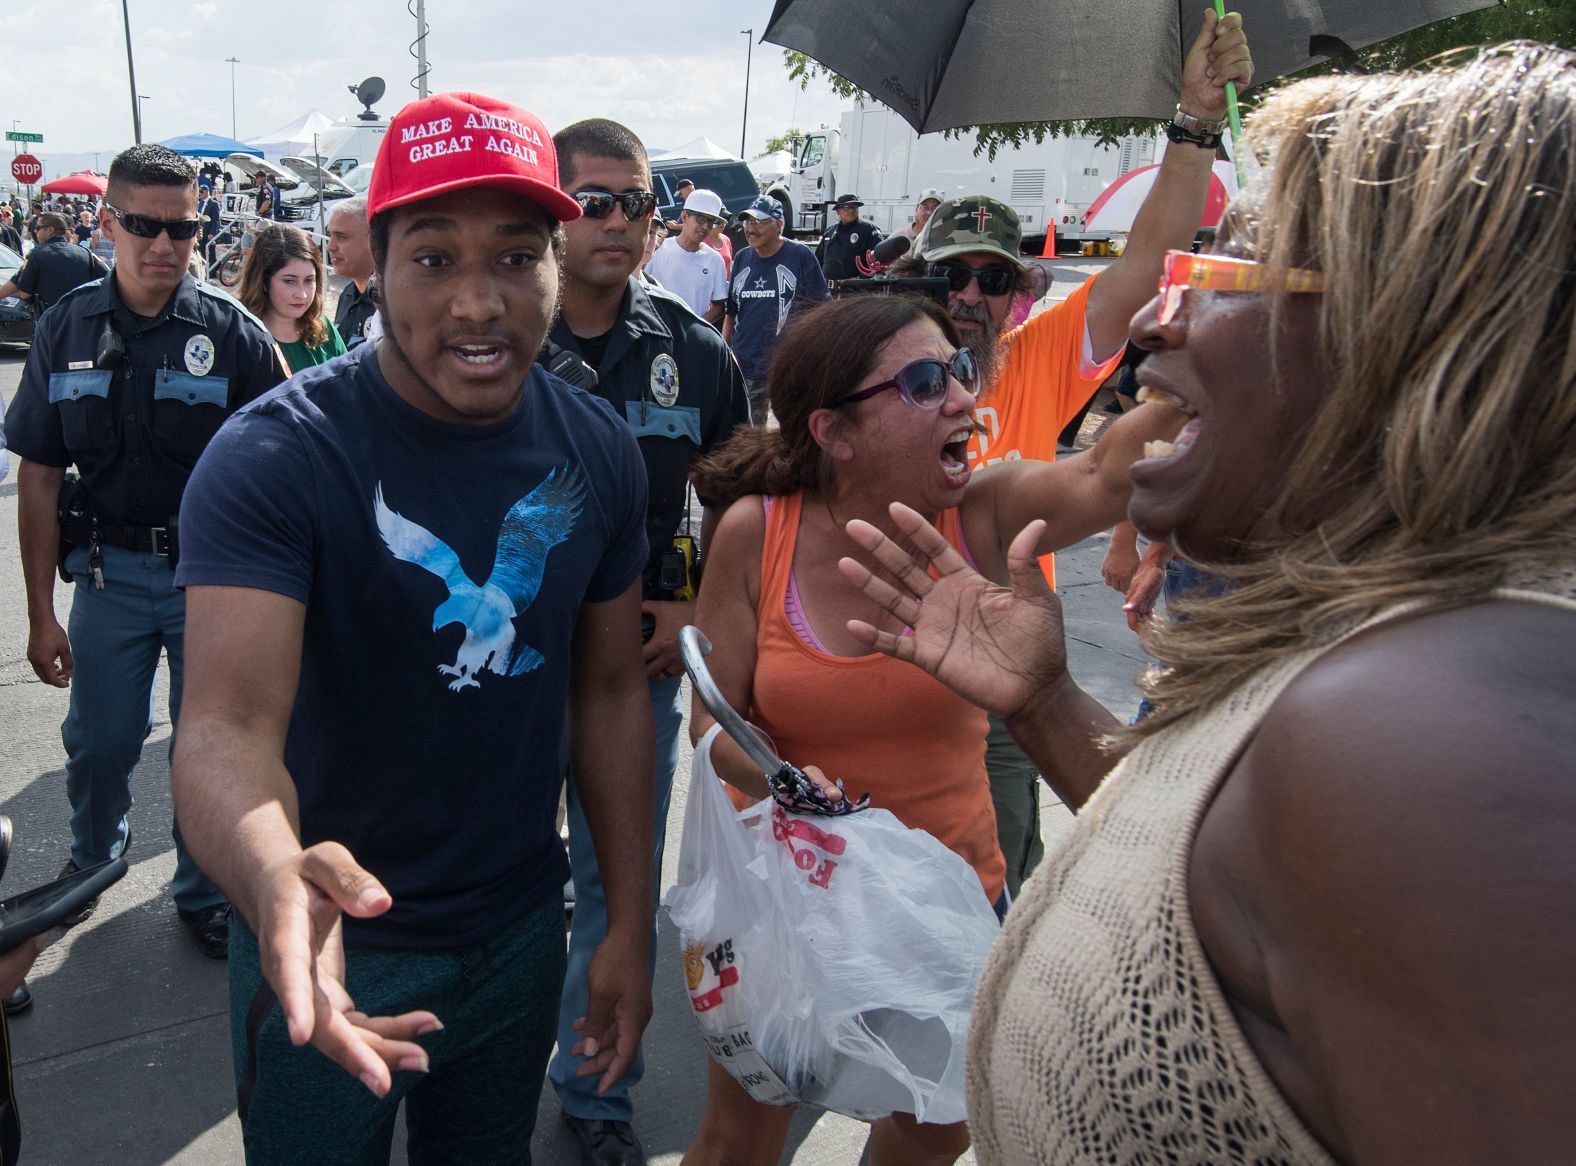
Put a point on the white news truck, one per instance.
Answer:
(352, 142)
(876, 155)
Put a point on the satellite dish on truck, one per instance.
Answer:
(369, 92)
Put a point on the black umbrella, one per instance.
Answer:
(947, 63)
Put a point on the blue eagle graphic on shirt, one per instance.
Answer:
(534, 525)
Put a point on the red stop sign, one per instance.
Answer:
(27, 169)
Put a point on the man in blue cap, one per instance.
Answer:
(770, 276)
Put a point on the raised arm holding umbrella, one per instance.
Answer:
(1170, 216)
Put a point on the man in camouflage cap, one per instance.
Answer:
(1037, 376)
(980, 233)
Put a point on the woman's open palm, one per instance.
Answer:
(992, 645)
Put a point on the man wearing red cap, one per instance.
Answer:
(406, 568)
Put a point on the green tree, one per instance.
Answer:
(1550, 21)
(790, 140)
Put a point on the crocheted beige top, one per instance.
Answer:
(1100, 1034)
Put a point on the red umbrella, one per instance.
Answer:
(1115, 209)
(83, 182)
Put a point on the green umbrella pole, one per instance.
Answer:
(1233, 114)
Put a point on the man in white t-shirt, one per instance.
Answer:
(687, 266)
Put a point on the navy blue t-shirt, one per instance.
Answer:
(443, 568)
(762, 293)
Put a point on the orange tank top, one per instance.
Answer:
(884, 727)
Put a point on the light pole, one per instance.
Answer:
(749, 46)
(232, 62)
(131, 75)
(141, 97)
(419, 49)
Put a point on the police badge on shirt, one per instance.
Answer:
(665, 380)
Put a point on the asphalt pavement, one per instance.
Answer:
(125, 1055)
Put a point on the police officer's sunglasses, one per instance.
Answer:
(598, 204)
(993, 281)
(923, 383)
(148, 227)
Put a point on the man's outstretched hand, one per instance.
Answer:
(994, 646)
(299, 935)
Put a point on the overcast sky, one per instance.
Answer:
(671, 72)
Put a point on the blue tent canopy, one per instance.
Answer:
(208, 146)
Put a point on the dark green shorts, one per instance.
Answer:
(499, 1005)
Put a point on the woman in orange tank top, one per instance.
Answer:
(875, 399)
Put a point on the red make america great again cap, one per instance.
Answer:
(455, 141)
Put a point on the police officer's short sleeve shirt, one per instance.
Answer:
(135, 425)
(54, 268)
(671, 378)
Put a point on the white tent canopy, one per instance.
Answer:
(296, 137)
(698, 149)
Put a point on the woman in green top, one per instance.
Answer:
(282, 284)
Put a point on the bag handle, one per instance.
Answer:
(789, 786)
(694, 647)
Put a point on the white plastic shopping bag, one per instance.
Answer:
(830, 961)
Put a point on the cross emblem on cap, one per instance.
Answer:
(979, 216)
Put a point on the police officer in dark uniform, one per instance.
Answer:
(670, 376)
(848, 238)
(54, 266)
(128, 379)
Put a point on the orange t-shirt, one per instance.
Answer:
(1040, 388)
(882, 726)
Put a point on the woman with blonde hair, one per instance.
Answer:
(1324, 909)
(282, 284)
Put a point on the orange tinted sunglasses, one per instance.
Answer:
(1223, 273)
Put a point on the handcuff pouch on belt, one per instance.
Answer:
(72, 511)
(81, 524)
